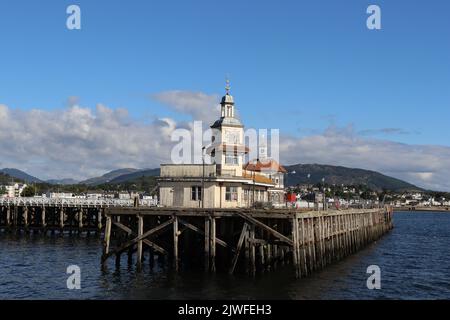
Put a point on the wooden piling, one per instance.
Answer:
(43, 221)
(8, 216)
(140, 242)
(261, 256)
(213, 244)
(295, 250)
(207, 243)
(252, 251)
(107, 239)
(61, 219)
(175, 243)
(238, 247)
(80, 220)
(25, 217)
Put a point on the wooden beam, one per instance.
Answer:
(238, 247)
(258, 241)
(145, 241)
(196, 229)
(265, 227)
(145, 235)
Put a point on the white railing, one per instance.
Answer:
(68, 202)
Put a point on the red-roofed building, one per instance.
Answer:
(271, 170)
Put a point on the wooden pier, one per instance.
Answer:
(42, 215)
(245, 240)
(43, 219)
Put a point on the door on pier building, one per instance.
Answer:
(178, 196)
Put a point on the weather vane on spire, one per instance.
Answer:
(227, 87)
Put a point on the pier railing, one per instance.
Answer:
(75, 202)
(60, 214)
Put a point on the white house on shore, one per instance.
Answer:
(226, 182)
(13, 190)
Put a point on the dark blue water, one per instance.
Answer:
(414, 259)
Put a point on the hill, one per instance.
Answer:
(20, 175)
(6, 179)
(108, 177)
(298, 174)
(129, 178)
(332, 174)
(135, 175)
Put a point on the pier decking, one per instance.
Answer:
(248, 240)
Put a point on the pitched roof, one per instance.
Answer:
(268, 165)
(258, 178)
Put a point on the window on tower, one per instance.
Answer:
(231, 159)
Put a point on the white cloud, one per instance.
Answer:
(79, 142)
(198, 105)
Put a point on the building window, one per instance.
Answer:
(196, 193)
(245, 195)
(231, 159)
(231, 194)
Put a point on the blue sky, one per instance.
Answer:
(301, 66)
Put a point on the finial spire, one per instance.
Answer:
(227, 87)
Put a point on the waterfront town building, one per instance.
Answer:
(13, 190)
(225, 182)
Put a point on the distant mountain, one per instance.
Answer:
(136, 175)
(5, 179)
(108, 177)
(298, 174)
(62, 181)
(18, 174)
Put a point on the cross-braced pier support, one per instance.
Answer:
(249, 240)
